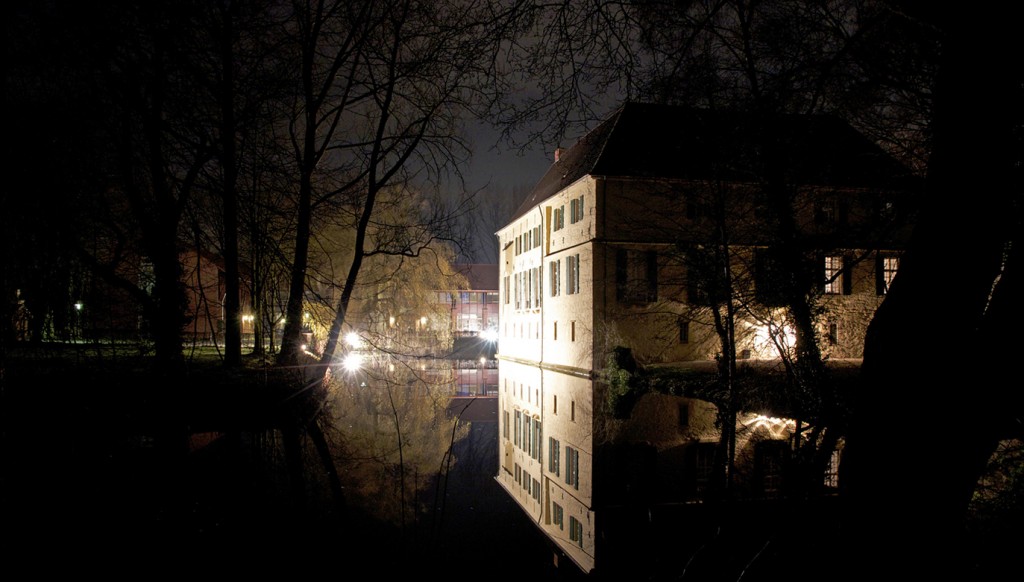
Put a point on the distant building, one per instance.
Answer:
(629, 242)
(475, 321)
(204, 277)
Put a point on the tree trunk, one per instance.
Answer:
(229, 167)
(932, 402)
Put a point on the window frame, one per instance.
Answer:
(572, 467)
(888, 265)
(572, 274)
(558, 515)
(576, 210)
(636, 276)
(575, 530)
(834, 275)
(554, 456)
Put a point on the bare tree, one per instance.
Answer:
(381, 107)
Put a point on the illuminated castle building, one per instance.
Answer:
(632, 248)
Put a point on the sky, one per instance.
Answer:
(503, 166)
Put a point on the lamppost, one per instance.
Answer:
(76, 330)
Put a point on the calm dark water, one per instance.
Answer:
(84, 487)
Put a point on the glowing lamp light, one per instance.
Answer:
(777, 427)
(78, 306)
(483, 360)
(352, 362)
(491, 335)
(353, 339)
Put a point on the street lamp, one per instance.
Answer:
(352, 362)
(76, 329)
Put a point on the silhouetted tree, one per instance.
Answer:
(914, 482)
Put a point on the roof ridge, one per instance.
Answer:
(617, 116)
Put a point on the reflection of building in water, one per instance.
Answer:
(631, 246)
(475, 321)
(443, 336)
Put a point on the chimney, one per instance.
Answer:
(558, 153)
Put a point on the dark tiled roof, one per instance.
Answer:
(672, 142)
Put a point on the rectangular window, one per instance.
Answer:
(770, 277)
(575, 531)
(636, 276)
(706, 283)
(575, 210)
(554, 333)
(535, 439)
(834, 274)
(572, 331)
(559, 219)
(515, 287)
(526, 433)
(519, 474)
(555, 398)
(887, 267)
(825, 211)
(703, 465)
(536, 236)
(885, 209)
(572, 274)
(572, 467)
(832, 471)
(554, 455)
(528, 288)
(536, 490)
(684, 331)
(696, 207)
(557, 515)
(507, 289)
(538, 280)
(572, 411)
(505, 428)
(518, 427)
(770, 456)
(833, 333)
(556, 277)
